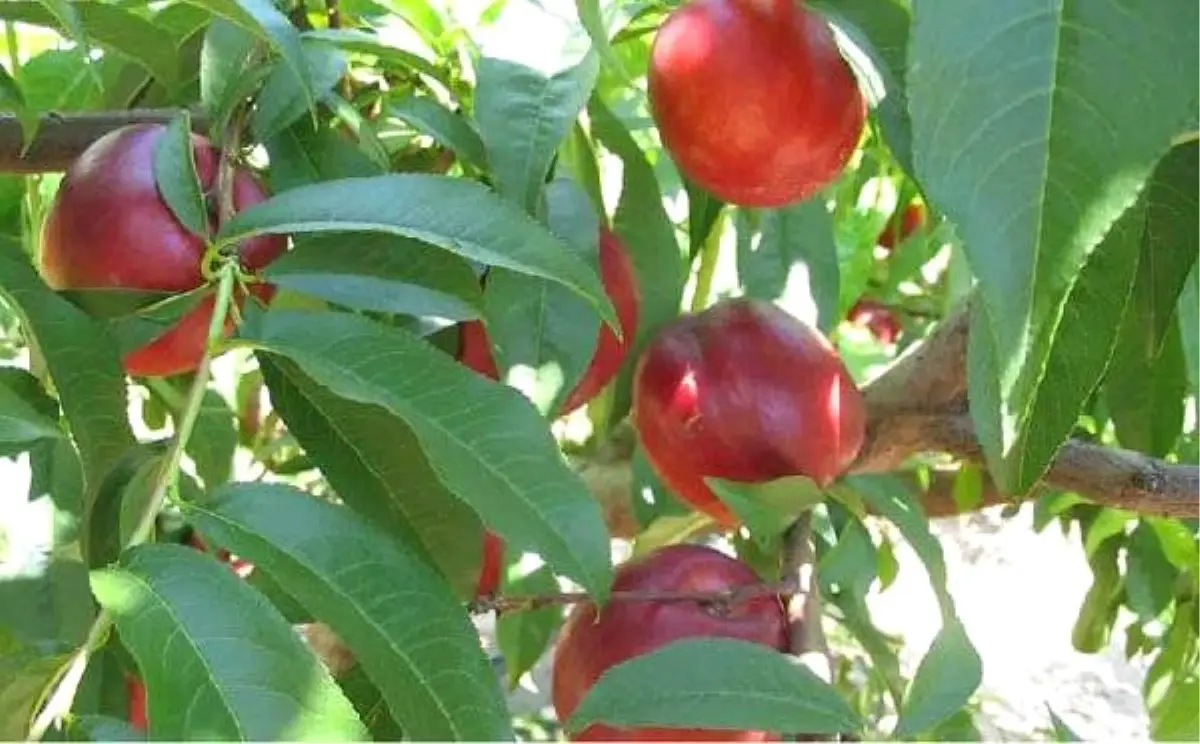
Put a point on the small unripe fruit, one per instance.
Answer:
(589, 645)
(876, 317)
(744, 392)
(135, 691)
(492, 562)
(109, 227)
(897, 231)
(620, 284)
(753, 99)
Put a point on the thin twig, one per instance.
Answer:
(724, 597)
(807, 644)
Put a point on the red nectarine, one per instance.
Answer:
(109, 227)
(744, 392)
(876, 317)
(897, 230)
(620, 284)
(753, 99)
(589, 645)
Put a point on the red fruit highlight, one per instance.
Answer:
(744, 392)
(588, 646)
(753, 99)
(110, 228)
(876, 317)
(620, 284)
(897, 231)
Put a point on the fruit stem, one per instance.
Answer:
(710, 252)
(60, 702)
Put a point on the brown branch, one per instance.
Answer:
(61, 138)
(724, 597)
(919, 405)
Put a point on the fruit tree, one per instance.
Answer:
(335, 330)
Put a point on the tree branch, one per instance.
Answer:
(61, 138)
(920, 405)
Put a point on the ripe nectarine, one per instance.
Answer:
(744, 392)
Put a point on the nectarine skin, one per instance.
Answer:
(753, 99)
(744, 392)
(620, 284)
(896, 231)
(109, 227)
(588, 646)
(877, 317)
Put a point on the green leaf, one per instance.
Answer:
(283, 98)
(1092, 627)
(528, 95)
(25, 673)
(376, 465)
(175, 174)
(542, 327)
(214, 440)
(226, 75)
(947, 676)
(302, 155)
(407, 630)
(455, 214)
(82, 361)
(1149, 576)
(11, 97)
(218, 661)
(452, 130)
(364, 42)
(56, 474)
(470, 429)
(127, 481)
(1145, 391)
(768, 508)
(383, 273)
(264, 20)
(643, 225)
(878, 35)
(103, 728)
(716, 683)
(1188, 310)
(20, 423)
(106, 24)
(55, 81)
(1147, 379)
(523, 637)
(1010, 104)
(851, 564)
(1176, 718)
(1178, 543)
(371, 706)
(794, 261)
(889, 497)
(1022, 431)
(1062, 732)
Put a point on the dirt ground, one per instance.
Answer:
(1018, 593)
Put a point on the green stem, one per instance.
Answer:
(710, 252)
(60, 702)
(13, 44)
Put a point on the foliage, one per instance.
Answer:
(341, 450)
